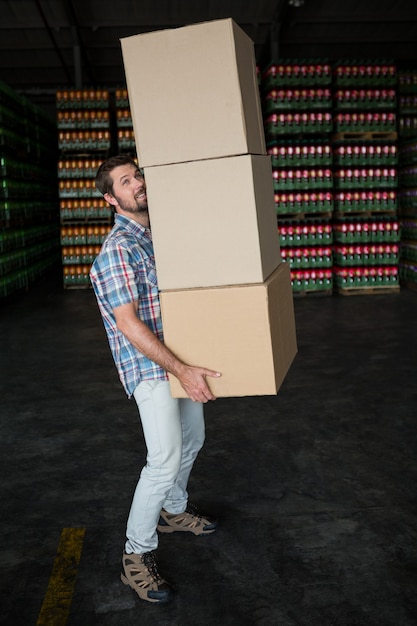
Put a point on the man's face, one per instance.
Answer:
(129, 190)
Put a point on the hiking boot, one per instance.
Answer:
(190, 521)
(140, 572)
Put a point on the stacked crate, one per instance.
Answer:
(225, 295)
(29, 227)
(84, 139)
(297, 107)
(365, 154)
(125, 135)
(407, 124)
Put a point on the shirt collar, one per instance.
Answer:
(132, 226)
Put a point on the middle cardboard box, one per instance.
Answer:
(213, 222)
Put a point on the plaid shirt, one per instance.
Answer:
(124, 272)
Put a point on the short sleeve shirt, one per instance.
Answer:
(122, 273)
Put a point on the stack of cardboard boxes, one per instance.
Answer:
(226, 296)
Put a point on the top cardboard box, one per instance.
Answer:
(193, 93)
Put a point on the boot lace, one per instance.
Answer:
(150, 564)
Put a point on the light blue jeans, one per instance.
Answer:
(174, 434)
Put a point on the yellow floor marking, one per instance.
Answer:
(57, 602)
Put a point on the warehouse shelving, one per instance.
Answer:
(85, 138)
(297, 107)
(366, 233)
(124, 124)
(29, 238)
(407, 111)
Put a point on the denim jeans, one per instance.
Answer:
(174, 434)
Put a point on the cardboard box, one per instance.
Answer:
(193, 93)
(246, 332)
(213, 222)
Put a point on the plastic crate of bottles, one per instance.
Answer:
(126, 139)
(306, 232)
(123, 118)
(366, 122)
(372, 254)
(300, 154)
(79, 119)
(407, 81)
(297, 99)
(85, 209)
(78, 168)
(307, 202)
(82, 99)
(407, 125)
(84, 140)
(368, 178)
(362, 99)
(361, 231)
(83, 235)
(307, 72)
(363, 72)
(78, 188)
(311, 280)
(353, 277)
(308, 258)
(287, 123)
(121, 97)
(76, 275)
(374, 154)
(79, 255)
(351, 201)
(305, 179)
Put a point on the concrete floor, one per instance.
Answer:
(315, 488)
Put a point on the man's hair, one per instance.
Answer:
(104, 182)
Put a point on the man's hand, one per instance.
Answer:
(193, 381)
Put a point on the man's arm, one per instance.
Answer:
(192, 378)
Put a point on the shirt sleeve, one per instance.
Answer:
(113, 276)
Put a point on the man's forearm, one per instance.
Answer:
(144, 340)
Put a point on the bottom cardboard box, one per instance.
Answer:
(246, 332)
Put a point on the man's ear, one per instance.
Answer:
(110, 199)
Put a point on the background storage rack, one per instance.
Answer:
(365, 177)
(407, 110)
(85, 139)
(29, 225)
(297, 109)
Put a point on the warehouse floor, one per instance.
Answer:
(315, 489)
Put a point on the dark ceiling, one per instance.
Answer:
(48, 44)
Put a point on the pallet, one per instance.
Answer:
(368, 291)
(325, 215)
(364, 213)
(366, 135)
(87, 221)
(313, 293)
(73, 287)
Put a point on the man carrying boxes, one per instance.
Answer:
(124, 280)
(225, 295)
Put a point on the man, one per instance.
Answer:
(125, 283)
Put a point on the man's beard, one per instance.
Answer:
(140, 208)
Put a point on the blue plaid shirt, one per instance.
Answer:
(124, 272)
